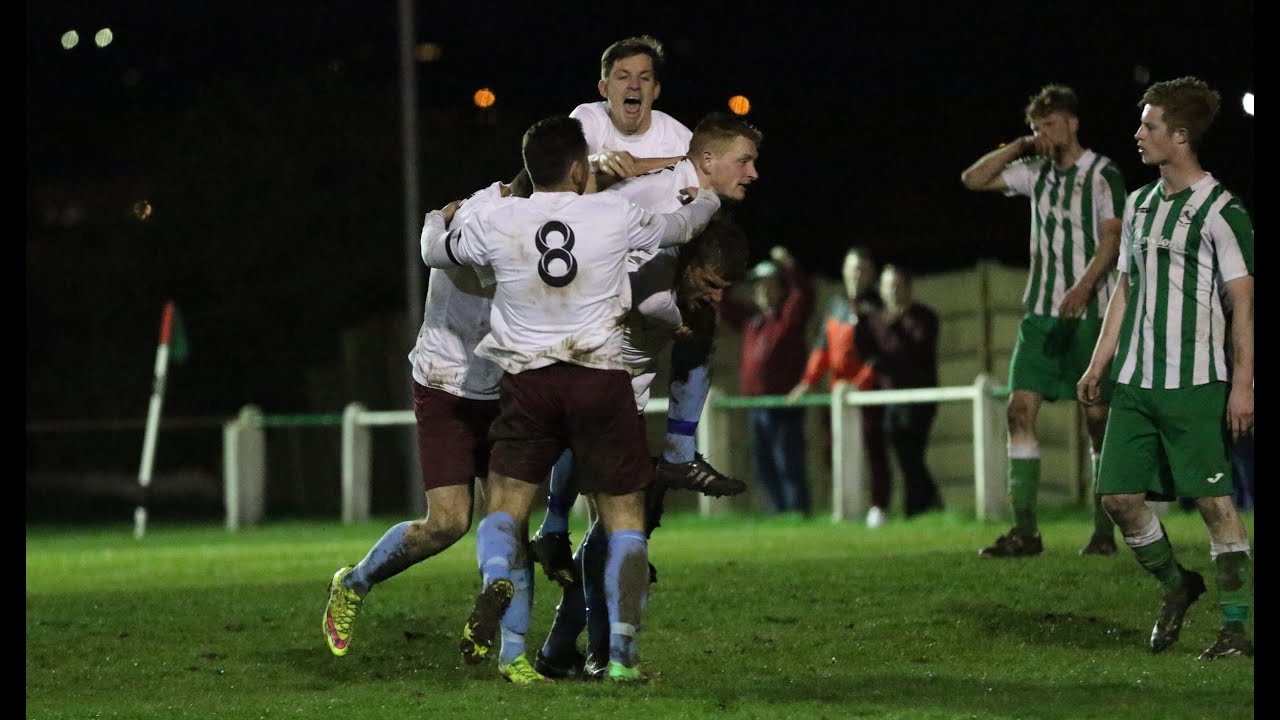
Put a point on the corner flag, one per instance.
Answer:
(173, 341)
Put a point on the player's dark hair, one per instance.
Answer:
(550, 147)
(638, 45)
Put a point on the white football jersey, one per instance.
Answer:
(653, 276)
(560, 261)
(454, 321)
(666, 136)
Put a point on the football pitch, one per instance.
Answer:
(750, 618)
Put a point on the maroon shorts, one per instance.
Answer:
(592, 412)
(453, 436)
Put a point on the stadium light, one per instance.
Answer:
(70, 39)
(739, 105)
(1247, 102)
(103, 37)
(484, 98)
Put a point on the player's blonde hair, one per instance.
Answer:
(1052, 98)
(717, 130)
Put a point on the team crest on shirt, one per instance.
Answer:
(1186, 216)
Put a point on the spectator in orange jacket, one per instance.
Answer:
(836, 353)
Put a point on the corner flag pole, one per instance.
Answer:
(153, 420)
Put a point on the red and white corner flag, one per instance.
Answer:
(173, 341)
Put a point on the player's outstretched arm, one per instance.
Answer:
(984, 173)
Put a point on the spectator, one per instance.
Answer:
(901, 343)
(836, 351)
(773, 357)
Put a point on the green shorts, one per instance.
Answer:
(1051, 354)
(1169, 444)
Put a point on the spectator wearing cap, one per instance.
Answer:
(774, 353)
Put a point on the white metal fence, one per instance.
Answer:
(244, 466)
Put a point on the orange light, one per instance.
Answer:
(483, 98)
(739, 105)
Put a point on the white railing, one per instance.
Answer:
(356, 460)
(848, 462)
(244, 449)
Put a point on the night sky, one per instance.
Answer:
(266, 138)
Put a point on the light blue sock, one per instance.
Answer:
(515, 621)
(683, 412)
(385, 559)
(496, 546)
(570, 619)
(561, 497)
(626, 577)
(595, 551)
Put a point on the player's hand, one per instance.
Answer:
(1074, 302)
(1045, 148)
(449, 210)
(1089, 389)
(1240, 410)
(684, 332)
(619, 163)
(782, 256)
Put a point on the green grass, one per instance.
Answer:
(751, 618)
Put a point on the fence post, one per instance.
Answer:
(848, 486)
(244, 468)
(355, 465)
(990, 455)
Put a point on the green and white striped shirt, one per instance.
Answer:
(1179, 252)
(1066, 208)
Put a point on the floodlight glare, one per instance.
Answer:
(1247, 102)
(483, 98)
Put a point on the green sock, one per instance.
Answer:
(1102, 524)
(1234, 588)
(1024, 480)
(1157, 558)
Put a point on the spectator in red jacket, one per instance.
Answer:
(773, 356)
(837, 353)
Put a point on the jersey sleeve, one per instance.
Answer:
(1126, 234)
(592, 128)
(1232, 233)
(1108, 192)
(463, 245)
(1020, 175)
(647, 231)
